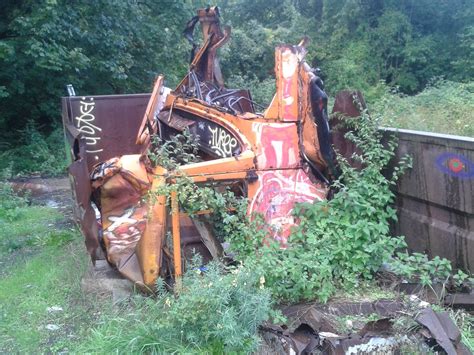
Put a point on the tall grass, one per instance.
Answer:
(214, 312)
(443, 107)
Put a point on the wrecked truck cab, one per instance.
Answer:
(278, 158)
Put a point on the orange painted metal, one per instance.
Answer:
(149, 248)
(176, 234)
(274, 157)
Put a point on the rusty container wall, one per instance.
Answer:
(435, 198)
(108, 124)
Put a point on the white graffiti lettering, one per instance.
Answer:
(85, 124)
(221, 142)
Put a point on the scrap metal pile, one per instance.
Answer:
(364, 327)
(275, 159)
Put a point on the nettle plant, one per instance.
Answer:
(343, 240)
(418, 268)
(338, 243)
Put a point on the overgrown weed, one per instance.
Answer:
(443, 107)
(213, 311)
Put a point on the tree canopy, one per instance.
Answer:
(115, 46)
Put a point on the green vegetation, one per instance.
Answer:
(465, 322)
(443, 107)
(421, 48)
(51, 278)
(214, 311)
(338, 242)
(42, 262)
(418, 267)
(23, 226)
(43, 309)
(35, 154)
(337, 245)
(178, 150)
(366, 45)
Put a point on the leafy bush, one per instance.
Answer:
(36, 154)
(340, 241)
(214, 312)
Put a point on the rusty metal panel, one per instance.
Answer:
(108, 124)
(84, 213)
(435, 199)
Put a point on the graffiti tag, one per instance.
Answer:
(85, 125)
(221, 142)
(455, 165)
